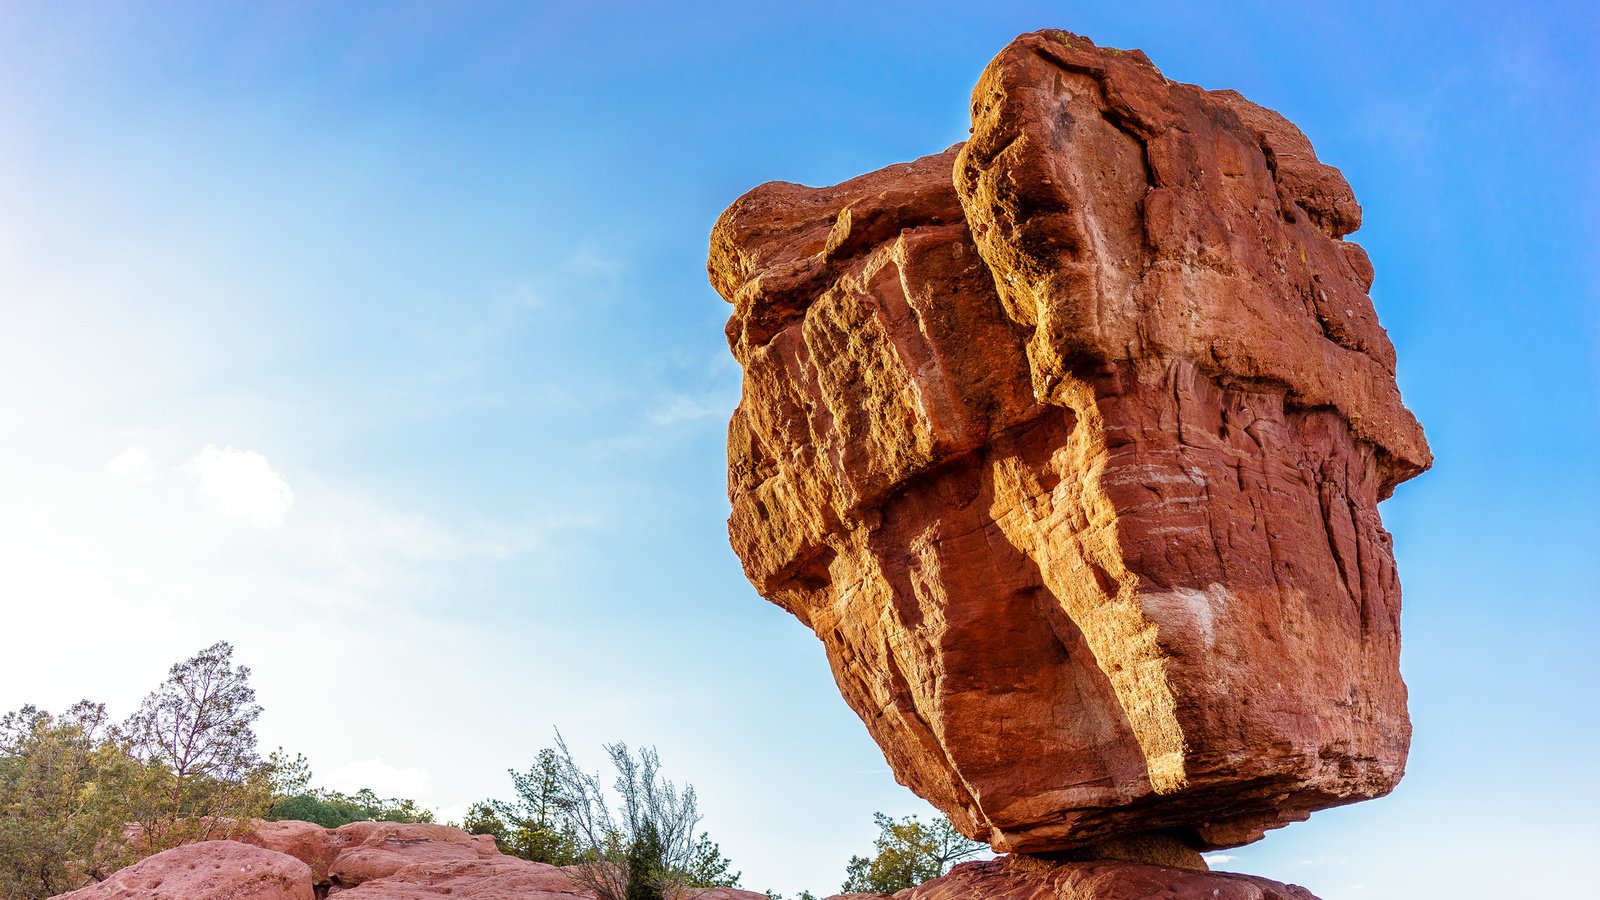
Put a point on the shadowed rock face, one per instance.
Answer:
(1068, 444)
(1017, 879)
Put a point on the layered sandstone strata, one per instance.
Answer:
(1068, 443)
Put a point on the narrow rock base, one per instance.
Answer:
(1027, 878)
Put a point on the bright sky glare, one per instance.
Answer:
(375, 339)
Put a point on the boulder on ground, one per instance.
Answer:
(211, 870)
(373, 850)
(499, 878)
(310, 843)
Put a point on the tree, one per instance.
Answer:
(195, 736)
(535, 825)
(66, 789)
(646, 880)
(909, 853)
(648, 843)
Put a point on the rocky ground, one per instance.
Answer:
(388, 861)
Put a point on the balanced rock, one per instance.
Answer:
(1068, 443)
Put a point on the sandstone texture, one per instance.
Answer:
(211, 870)
(374, 850)
(1013, 879)
(1068, 443)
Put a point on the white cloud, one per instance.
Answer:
(1219, 859)
(241, 484)
(383, 777)
(134, 465)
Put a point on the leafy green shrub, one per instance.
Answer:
(909, 853)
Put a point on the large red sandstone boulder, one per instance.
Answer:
(1068, 444)
(211, 870)
(312, 844)
(498, 878)
(359, 852)
(373, 850)
(1011, 879)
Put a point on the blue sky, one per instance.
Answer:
(375, 338)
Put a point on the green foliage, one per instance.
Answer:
(332, 808)
(80, 797)
(646, 878)
(290, 777)
(534, 825)
(909, 853)
(803, 895)
(706, 867)
(293, 797)
(66, 788)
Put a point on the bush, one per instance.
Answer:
(644, 849)
(909, 853)
(293, 797)
(649, 841)
(331, 809)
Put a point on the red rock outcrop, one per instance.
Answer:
(500, 878)
(1068, 444)
(312, 844)
(211, 870)
(1014, 879)
(362, 861)
(374, 850)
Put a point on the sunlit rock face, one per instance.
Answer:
(1068, 444)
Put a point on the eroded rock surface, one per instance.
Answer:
(1068, 444)
(211, 870)
(372, 850)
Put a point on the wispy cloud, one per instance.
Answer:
(682, 409)
(134, 465)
